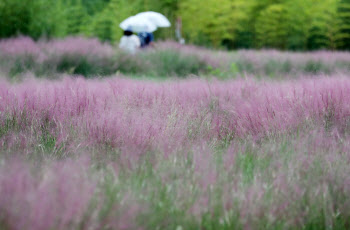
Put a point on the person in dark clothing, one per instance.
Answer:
(146, 39)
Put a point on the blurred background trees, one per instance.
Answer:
(231, 24)
(343, 35)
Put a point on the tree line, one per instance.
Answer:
(232, 24)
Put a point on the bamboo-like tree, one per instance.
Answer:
(15, 17)
(343, 13)
(271, 27)
(76, 16)
(215, 22)
(323, 26)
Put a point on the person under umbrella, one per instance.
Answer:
(158, 19)
(146, 39)
(145, 24)
(129, 42)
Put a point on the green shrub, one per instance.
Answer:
(170, 63)
(21, 64)
(315, 67)
(78, 64)
(131, 64)
(245, 66)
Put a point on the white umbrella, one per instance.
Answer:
(138, 24)
(156, 18)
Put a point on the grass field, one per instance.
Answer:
(178, 138)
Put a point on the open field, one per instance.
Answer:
(242, 140)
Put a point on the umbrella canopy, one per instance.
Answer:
(156, 18)
(138, 24)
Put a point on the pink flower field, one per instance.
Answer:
(146, 115)
(258, 150)
(132, 154)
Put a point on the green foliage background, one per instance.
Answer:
(282, 24)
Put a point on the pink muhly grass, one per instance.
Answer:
(20, 46)
(126, 113)
(204, 168)
(77, 46)
(56, 198)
